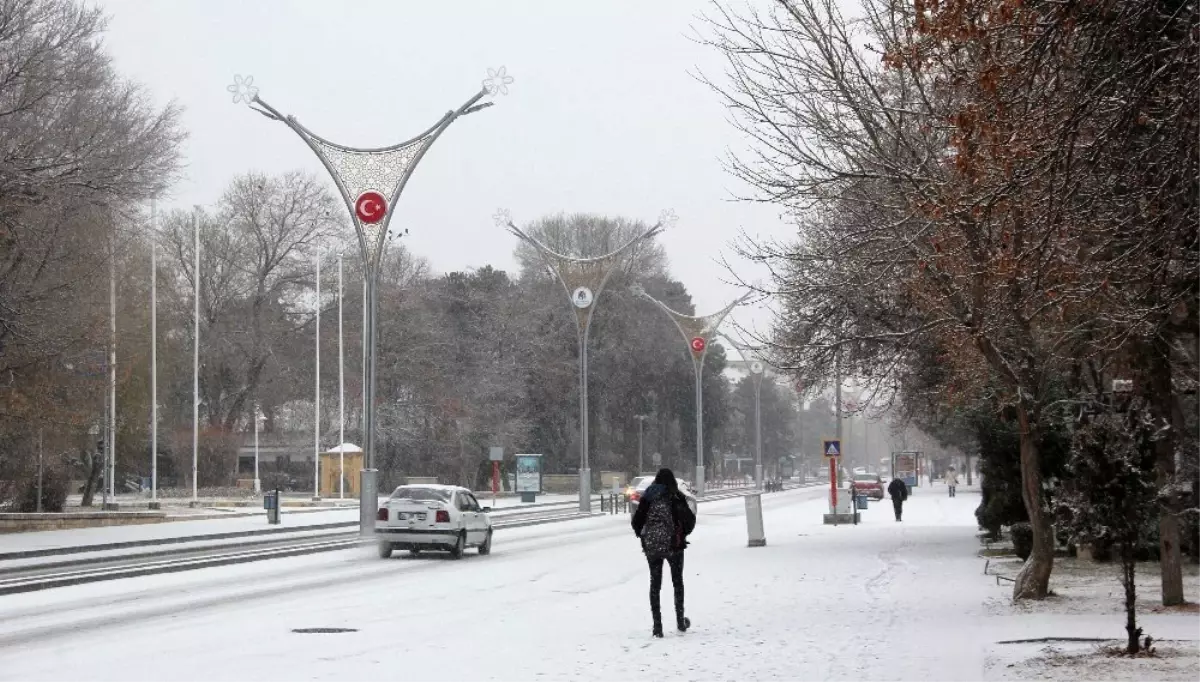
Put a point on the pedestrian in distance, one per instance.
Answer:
(951, 480)
(662, 522)
(898, 491)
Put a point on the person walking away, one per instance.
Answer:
(951, 480)
(662, 522)
(898, 490)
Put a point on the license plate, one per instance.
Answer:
(415, 516)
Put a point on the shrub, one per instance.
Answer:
(1022, 537)
(54, 493)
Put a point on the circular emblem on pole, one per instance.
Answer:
(370, 207)
(756, 367)
(582, 298)
(698, 344)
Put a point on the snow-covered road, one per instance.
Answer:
(567, 601)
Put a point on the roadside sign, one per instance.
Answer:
(495, 454)
(831, 448)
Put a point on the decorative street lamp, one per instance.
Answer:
(753, 355)
(370, 181)
(698, 332)
(583, 279)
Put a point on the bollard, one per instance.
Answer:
(754, 521)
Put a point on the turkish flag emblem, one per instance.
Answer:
(370, 207)
(698, 344)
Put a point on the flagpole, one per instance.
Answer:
(341, 395)
(153, 352)
(317, 399)
(196, 357)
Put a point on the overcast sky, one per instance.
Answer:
(605, 114)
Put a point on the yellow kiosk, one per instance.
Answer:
(348, 455)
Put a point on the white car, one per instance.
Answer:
(439, 517)
(636, 497)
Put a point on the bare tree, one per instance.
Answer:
(79, 148)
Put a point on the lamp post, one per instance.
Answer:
(257, 418)
(697, 332)
(641, 420)
(756, 375)
(362, 176)
(583, 279)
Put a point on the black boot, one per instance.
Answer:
(657, 632)
(682, 623)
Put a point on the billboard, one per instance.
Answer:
(904, 467)
(529, 473)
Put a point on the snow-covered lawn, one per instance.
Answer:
(1088, 602)
(1087, 661)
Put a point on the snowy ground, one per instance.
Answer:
(881, 600)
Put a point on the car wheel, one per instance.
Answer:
(385, 550)
(486, 548)
(456, 552)
(415, 551)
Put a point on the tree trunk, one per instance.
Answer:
(93, 475)
(1193, 526)
(1128, 574)
(1033, 582)
(1165, 409)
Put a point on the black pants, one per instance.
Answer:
(656, 576)
(898, 505)
(952, 491)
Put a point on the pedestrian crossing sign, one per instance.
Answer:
(831, 448)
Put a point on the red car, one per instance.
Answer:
(870, 485)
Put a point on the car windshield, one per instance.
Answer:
(865, 478)
(421, 494)
(640, 482)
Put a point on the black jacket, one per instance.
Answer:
(685, 520)
(898, 490)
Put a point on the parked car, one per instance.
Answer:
(683, 488)
(870, 485)
(437, 517)
(633, 485)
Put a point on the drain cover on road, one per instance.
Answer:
(322, 631)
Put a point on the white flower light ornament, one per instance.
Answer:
(502, 217)
(243, 90)
(497, 81)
